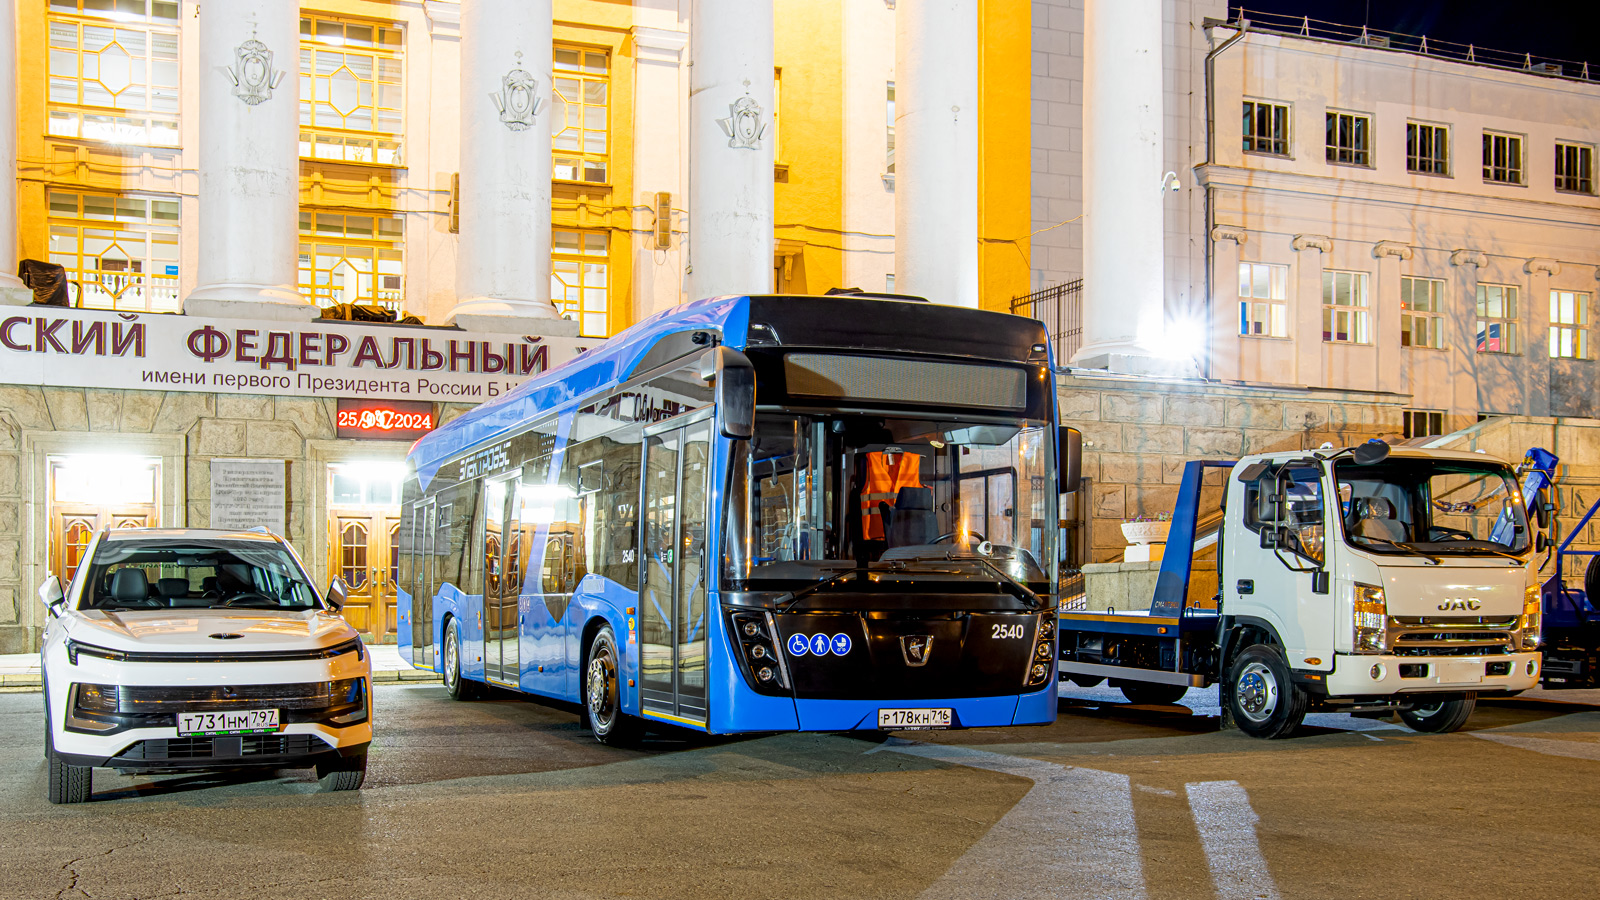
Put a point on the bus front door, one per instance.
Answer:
(672, 608)
(502, 583)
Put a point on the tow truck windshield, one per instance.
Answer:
(814, 496)
(1432, 507)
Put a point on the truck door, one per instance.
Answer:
(1274, 577)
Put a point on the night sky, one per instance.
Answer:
(1553, 29)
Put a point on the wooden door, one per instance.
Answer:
(72, 526)
(364, 551)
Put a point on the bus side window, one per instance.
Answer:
(612, 541)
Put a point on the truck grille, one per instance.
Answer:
(1452, 635)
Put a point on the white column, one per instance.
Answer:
(658, 159)
(936, 150)
(12, 291)
(730, 148)
(503, 254)
(1123, 248)
(249, 162)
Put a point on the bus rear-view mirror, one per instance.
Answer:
(1069, 457)
(735, 390)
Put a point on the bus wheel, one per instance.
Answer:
(1440, 715)
(602, 694)
(459, 688)
(1263, 702)
(1151, 694)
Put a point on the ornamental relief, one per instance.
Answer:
(518, 99)
(743, 126)
(252, 73)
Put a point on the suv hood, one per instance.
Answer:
(190, 630)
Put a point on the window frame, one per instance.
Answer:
(80, 111)
(1278, 305)
(1360, 322)
(581, 157)
(1433, 315)
(581, 258)
(1361, 156)
(1251, 138)
(1432, 422)
(1510, 333)
(1578, 331)
(1585, 155)
(84, 225)
(311, 133)
(1445, 161)
(1520, 173)
(314, 240)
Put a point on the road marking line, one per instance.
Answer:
(1574, 749)
(1227, 825)
(1073, 834)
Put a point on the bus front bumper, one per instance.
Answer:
(966, 712)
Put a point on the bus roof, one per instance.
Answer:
(838, 321)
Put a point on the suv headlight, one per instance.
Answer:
(1532, 605)
(1370, 616)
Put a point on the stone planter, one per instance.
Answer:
(1146, 532)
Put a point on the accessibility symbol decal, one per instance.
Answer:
(841, 644)
(798, 645)
(819, 644)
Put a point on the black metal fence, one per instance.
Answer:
(1060, 308)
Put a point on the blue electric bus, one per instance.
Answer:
(751, 514)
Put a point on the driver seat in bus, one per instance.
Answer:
(910, 522)
(1375, 519)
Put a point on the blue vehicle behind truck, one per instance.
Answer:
(750, 514)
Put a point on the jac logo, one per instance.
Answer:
(1472, 603)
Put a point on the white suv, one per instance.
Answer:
(185, 649)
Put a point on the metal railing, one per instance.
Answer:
(1419, 44)
(1060, 308)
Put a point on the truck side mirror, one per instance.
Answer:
(51, 596)
(734, 391)
(1069, 457)
(338, 593)
(1271, 539)
(1541, 513)
(1541, 543)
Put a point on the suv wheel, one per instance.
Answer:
(68, 783)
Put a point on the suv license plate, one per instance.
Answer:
(241, 721)
(914, 719)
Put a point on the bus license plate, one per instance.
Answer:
(241, 721)
(914, 719)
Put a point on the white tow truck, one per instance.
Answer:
(1366, 580)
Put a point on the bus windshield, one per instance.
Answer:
(815, 494)
(1407, 505)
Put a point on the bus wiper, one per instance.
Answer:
(1432, 560)
(798, 595)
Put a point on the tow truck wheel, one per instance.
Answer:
(1149, 694)
(1262, 700)
(1094, 680)
(1440, 715)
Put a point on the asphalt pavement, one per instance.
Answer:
(509, 798)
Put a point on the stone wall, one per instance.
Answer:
(1138, 433)
(197, 427)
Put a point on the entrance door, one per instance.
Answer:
(366, 554)
(673, 603)
(88, 494)
(504, 556)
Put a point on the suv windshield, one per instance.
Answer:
(1432, 505)
(194, 574)
(816, 494)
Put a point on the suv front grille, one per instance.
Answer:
(314, 695)
(222, 748)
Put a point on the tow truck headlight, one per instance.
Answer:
(1370, 615)
(1532, 604)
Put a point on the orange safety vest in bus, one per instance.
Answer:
(883, 483)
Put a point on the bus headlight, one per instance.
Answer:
(1369, 618)
(1532, 605)
(1044, 651)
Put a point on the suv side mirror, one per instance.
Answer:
(51, 596)
(1069, 457)
(338, 593)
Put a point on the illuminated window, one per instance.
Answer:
(120, 252)
(1497, 319)
(1263, 303)
(579, 279)
(1574, 167)
(1266, 128)
(352, 258)
(350, 91)
(580, 120)
(114, 71)
(1569, 325)
(1344, 307)
(1421, 305)
(1427, 149)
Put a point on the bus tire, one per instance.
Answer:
(602, 693)
(1262, 700)
(1440, 715)
(1147, 693)
(456, 686)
